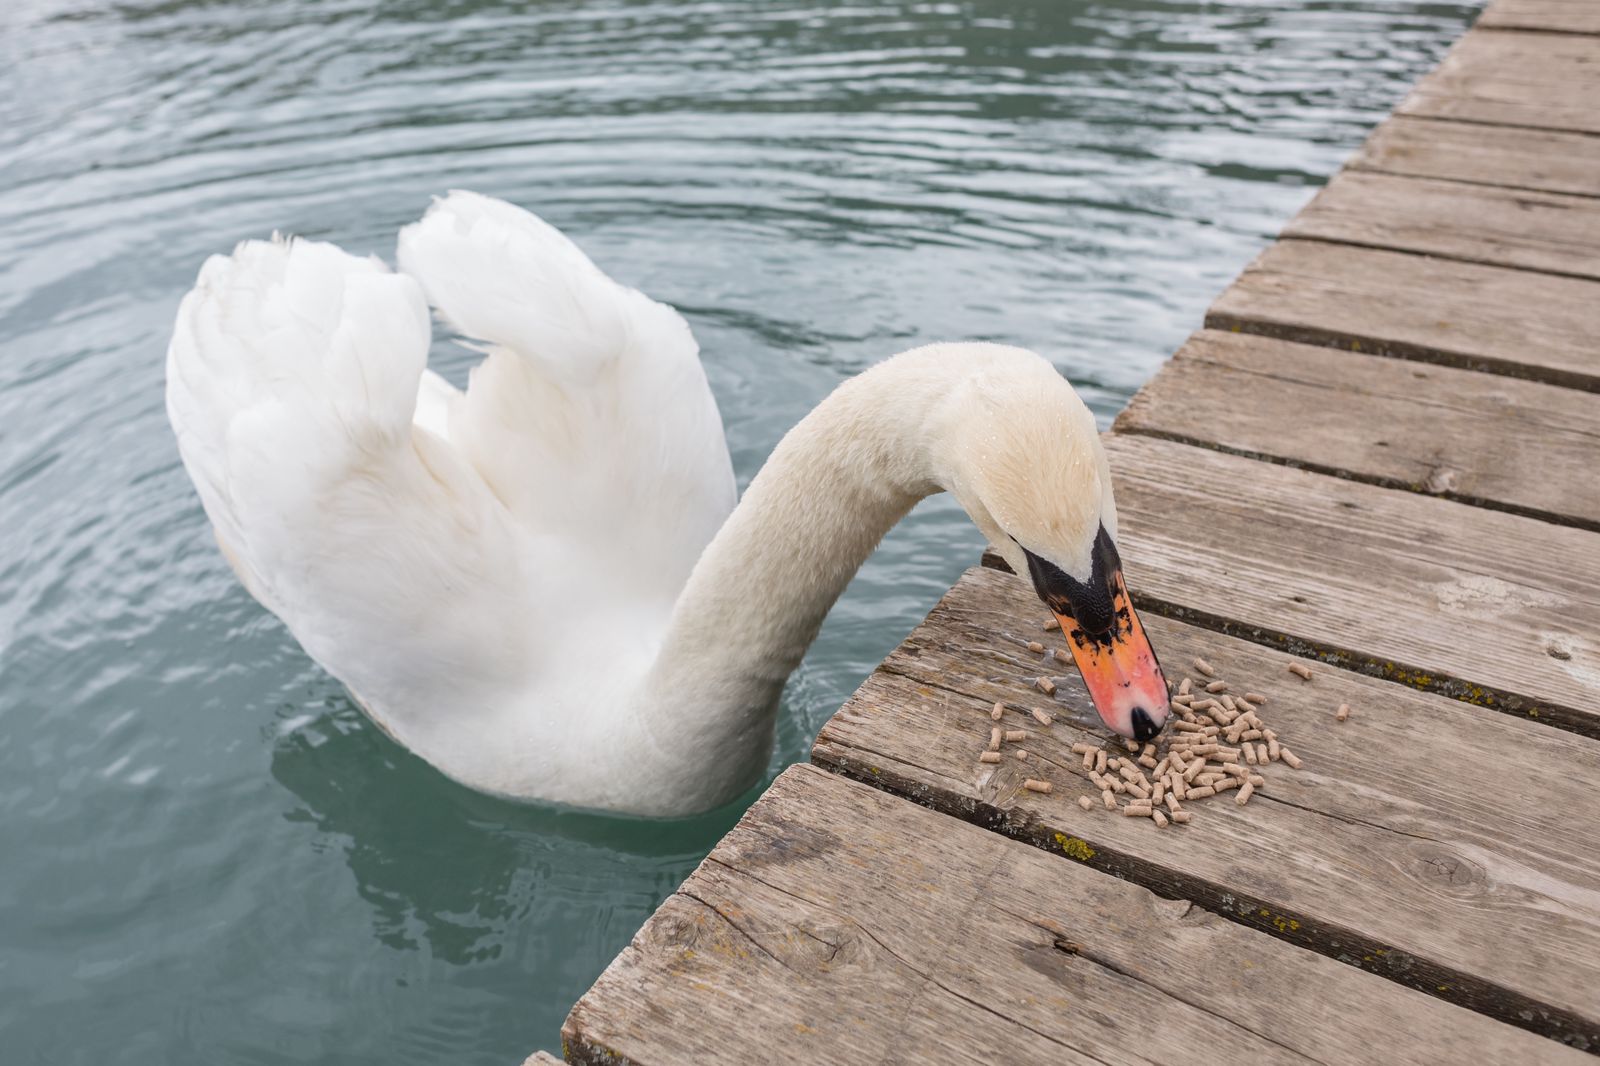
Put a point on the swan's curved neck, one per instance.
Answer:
(835, 484)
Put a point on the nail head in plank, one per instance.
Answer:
(1387, 846)
(1484, 439)
(1550, 16)
(1536, 80)
(1472, 223)
(1494, 608)
(1411, 306)
(837, 923)
(1540, 160)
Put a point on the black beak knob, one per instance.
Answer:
(1143, 728)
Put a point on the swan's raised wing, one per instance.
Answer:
(292, 383)
(590, 417)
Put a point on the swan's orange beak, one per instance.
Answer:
(1120, 669)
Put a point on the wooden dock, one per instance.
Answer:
(1380, 457)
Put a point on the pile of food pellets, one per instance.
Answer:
(1217, 742)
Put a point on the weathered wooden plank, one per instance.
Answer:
(1390, 847)
(1550, 16)
(1472, 223)
(837, 923)
(1483, 439)
(1541, 160)
(1536, 80)
(1392, 303)
(1493, 608)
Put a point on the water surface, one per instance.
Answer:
(206, 853)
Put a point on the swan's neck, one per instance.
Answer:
(832, 488)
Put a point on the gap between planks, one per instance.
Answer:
(1384, 852)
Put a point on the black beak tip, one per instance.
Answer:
(1143, 728)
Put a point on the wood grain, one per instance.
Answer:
(1387, 845)
(1483, 439)
(1487, 155)
(1551, 16)
(1496, 609)
(837, 923)
(1473, 223)
(1533, 80)
(1410, 306)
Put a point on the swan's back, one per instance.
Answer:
(453, 557)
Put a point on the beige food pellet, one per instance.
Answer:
(1041, 717)
(1225, 784)
(1180, 816)
(1051, 625)
(1080, 748)
(1300, 670)
(1218, 685)
(1289, 757)
(1138, 810)
(1035, 647)
(1250, 754)
(1257, 780)
(998, 711)
(1185, 686)
(1109, 798)
(1086, 803)
(1015, 735)
(1244, 794)
(1342, 713)
(1255, 697)
(995, 736)
(1204, 667)
(1263, 753)
(1159, 818)
(1088, 761)
(1244, 704)
(989, 756)
(1201, 793)
(1022, 755)
(1045, 685)
(1100, 760)
(1037, 786)
(1061, 656)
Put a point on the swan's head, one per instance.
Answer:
(1023, 457)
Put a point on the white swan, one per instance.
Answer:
(541, 585)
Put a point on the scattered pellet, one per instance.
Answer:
(1015, 735)
(1255, 698)
(1226, 755)
(1244, 794)
(1185, 686)
(1109, 798)
(1172, 803)
(1225, 784)
(1178, 789)
(1244, 704)
(1180, 816)
(1100, 760)
(1188, 727)
(1037, 786)
(1342, 713)
(1250, 734)
(989, 756)
(1022, 755)
(1138, 790)
(1162, 766)
(1290, 757)
(1081, 748)
(1051, 625)
(1300, 670)
(1137, 810)
(1202, 792)
(1274, 749)
(1250, 754)
(1147, 762)
(1045, 685)
(1062, 655)
(1256, 780)
(1204, 667)
(1228, 704)
(995, 736)
(1088, 761)
(1086, 803)
(1159, 818)
(1194, 770)
(1041, 717)
(998, 711)
(1218, 685)
(1262, 753)
(1035, 647)
(1236, 770)
(1130, 743)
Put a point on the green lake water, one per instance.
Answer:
(206, 854)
